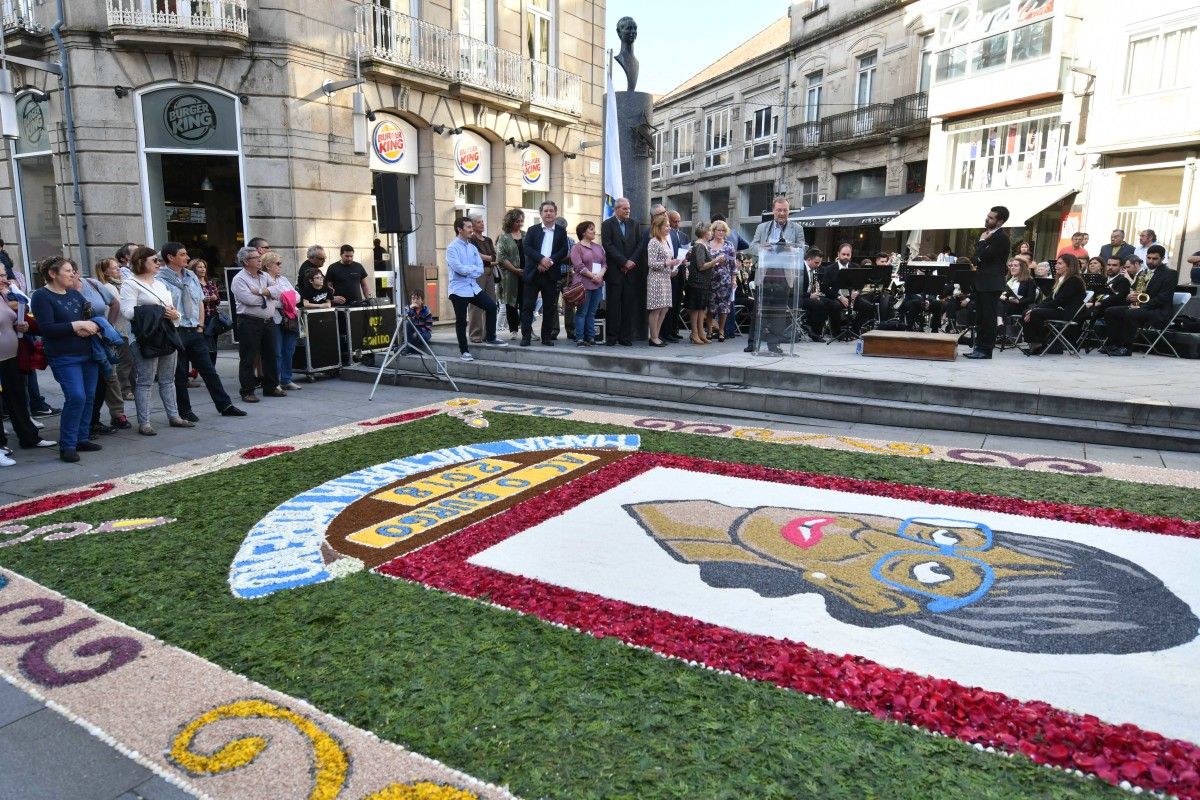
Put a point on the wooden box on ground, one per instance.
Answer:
(903, 344)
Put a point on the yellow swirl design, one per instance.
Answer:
(421, 791)
(767, 435)
(893, 448)
(331, 766)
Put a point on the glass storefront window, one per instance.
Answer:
(975, 37)
(951, 64)
(39, 209)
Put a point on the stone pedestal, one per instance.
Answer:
(634, 110)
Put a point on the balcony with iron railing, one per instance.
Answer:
(210, 25)
(865, 125)
(390, 42)
(22, 33)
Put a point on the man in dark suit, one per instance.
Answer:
(545, 250)
(1123, 321)
(677, 238)
(991, 258)
(1117, 247)
(621, 239)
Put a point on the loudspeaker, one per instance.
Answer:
(393, 203)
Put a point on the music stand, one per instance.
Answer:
(405, 323)
(850, 280)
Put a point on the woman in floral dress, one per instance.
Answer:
(721, 288)
(663, 265)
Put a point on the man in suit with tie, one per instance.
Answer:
(991, 258)
(545, 250)
(677, 238)
(1123, 322)
(621, 239)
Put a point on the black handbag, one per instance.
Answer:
(217, 324)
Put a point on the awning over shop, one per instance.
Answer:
(858, 211)
(968, 209)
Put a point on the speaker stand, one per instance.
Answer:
(404, 324)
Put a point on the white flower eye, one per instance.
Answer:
(945, 537)
(930, 572)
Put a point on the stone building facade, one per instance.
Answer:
(825, 104)
(206, 122)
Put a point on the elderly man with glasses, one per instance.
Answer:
(251, 290)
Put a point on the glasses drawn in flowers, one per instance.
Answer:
(921, 572)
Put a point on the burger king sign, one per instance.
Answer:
(471, 159)
(535, 166)
(393, 145)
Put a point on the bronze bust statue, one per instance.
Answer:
(627, 33)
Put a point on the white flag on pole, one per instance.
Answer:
(613, 184)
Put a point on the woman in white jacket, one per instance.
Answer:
(144, 289)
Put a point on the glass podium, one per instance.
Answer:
(778, 310)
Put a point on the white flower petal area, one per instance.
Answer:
(283, 551)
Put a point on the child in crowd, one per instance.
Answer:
(422, 319)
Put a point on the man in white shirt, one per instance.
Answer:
(466, 265)
(1147, 239)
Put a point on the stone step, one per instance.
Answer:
(1017, 401)
(545, 376)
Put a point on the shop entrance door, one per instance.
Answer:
(199, 203)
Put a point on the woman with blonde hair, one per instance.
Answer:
(1063, 303)
(720, 303)
(108, 272)
(663, 265)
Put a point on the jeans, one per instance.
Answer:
(585, 316)
(256, 339)
(417, 336)
(211, 341)
(77, 375)
(160, 370)
(285, 352)
(195, 350)
(15, 403)
(482, 300)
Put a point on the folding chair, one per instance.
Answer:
(1017, 323)
(1060, 328)
(1179, 301)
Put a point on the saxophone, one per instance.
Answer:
(1140, 282)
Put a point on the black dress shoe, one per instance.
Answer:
(88, 447)
(977, 354)
(70, 456)
(673, 338)
(190, 416)
(611, 343)
(775, 350)
(233, 411)
(1120, 351)
(750, 348)
(625, 344)
(547, 342)
(103, 430)
(525, 342)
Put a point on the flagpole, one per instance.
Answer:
(604, 138)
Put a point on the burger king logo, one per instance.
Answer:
(467, 156)
(389, 144)
(531, 167)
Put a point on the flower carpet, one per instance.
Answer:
(487, 600)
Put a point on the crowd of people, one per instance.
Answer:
(695, 283)
(149, 319)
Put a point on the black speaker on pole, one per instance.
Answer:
(393, 204)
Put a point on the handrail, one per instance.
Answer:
(209, 16)
(871, 120)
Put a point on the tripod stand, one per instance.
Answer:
(405, 324)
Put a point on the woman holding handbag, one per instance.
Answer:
(588, 266)
(287, 320)
(143, 288)
(699, 282)
(215, 323)
(62, 320)
(12, 330)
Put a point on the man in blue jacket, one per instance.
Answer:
(545, 250)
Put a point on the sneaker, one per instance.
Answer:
(193, 383)
(48, 411)
(38, 425)
(467, 357)
(497, 343)
(180, 422)
(147, 430)
(127, 396)
(45, 443)
(5, 461)
(121, 421)
(291, 387)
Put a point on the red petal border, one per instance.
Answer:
(1046, 734)
(54, 502)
